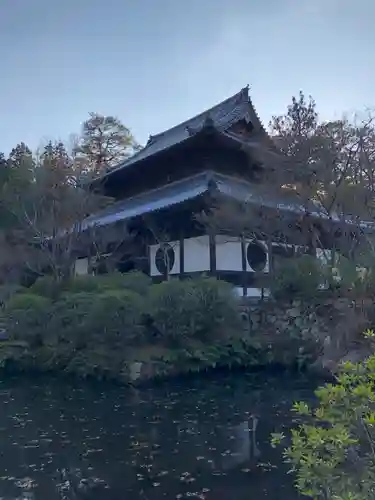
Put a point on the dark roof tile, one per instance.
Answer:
(222, 117)
(190, 188)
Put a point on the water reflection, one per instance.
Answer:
(244, 444)
(206, 439)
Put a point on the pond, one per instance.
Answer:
(204, 438)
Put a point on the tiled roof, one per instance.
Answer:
(193, 187)
(150, 201)
(222, 116)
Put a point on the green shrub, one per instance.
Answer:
(216, 310)
(170, 306)
(202, 307)
(301, 276)
(135, 281)
(333, 452)
(8, 291)
(27, 317)
(343, 276)
(116, 318)
(87, 283)
(69, 321)
(46, 286)
(113, 321)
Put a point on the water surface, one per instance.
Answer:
(205, 438)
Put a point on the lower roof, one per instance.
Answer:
(192, 187)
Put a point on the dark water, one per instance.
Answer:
(191, 439)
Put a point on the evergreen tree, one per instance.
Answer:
(104, 143)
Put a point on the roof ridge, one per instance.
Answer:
(242, 95)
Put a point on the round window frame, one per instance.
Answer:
(160, 262)
(259, 265)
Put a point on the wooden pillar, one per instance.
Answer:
(244, 260)
(212, 243)
(166, 263)
(182, 255)
(270, 256)
(147, 267)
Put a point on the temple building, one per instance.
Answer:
(221, 156)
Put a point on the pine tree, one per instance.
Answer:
(104, 143)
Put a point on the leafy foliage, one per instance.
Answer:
(333, 452)
(7, 291)
(70, 321)
(26, 316)
(300, 276)
(42, 203)
(136, 281)
(116, 318)
(333, 162)
(46, 286)
(95, 322)
(216, 309)
(44, 208)
(204, 308)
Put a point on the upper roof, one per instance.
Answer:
(236, 108)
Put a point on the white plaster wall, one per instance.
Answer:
(81, 267)
(265, 246)
(238, 291)
(228, 253)
(152, 253)
(196, 254)
(257, 292)
(251, 292)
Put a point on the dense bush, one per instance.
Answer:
(70, 320)
(301, 276)
(46, 286)
(216, 313)
(81, 284)
(116, 318)
(203, 308)
(135, 281)
(27, 317)
(333, 453)
(344, 276)
(93, 324)
(7, 291)
(170, 307)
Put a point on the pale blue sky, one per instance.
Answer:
(154, 63)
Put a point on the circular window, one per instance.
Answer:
(164, 258)
(256, 256)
